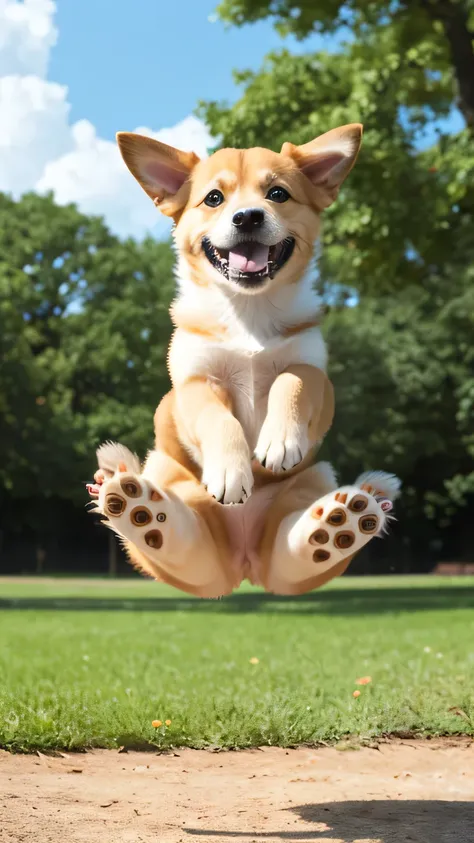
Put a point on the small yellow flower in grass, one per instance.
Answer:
(364, 680)
(167, 722)
(254, 660)
(356, 694)
(156, 724)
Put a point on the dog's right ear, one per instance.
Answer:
(327, 160)
(161, 170)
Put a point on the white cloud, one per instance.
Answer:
(40, 150)
(27, 34)
(93, 175)
(34, 129)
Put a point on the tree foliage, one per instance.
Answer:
(400, 234)
(84, 322)
(400, 209)
(434, 35)
(84, 332)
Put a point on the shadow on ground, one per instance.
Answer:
(343, 601)
(381, 821)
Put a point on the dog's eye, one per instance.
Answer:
(214, 198)
(278, 194)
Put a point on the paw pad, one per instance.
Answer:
(140, 516)
(131, 488)
(336, 517)
(341, 497)
(368, 523)
(358, 503)
(344, 539)
(154, 539)
(321, 555)
(114, 505)
(320, 537)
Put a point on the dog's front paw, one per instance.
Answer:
(229, 477)
(281, 446)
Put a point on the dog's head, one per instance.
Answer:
(245, 218)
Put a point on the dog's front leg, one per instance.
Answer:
(207, 426)
(299, 413)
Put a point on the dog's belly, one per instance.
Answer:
(245, 523)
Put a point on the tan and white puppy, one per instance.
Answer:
(251, 401)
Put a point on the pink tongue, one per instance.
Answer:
(249, 257)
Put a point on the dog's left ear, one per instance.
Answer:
(161, 170)
(327, 160)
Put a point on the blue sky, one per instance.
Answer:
(148, 62)
(74, 72)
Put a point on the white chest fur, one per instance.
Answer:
(249, 348)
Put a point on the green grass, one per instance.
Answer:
(92, 663)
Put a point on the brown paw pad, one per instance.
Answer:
(140, 516)
(368, 523)
(155, 496)
(131, 488)
(358, 503)
(341, 497)
(154, 539)
(336, 517)
(344, 539)
(319, 537)
(114, 505)
(321, 555)
(317, 512)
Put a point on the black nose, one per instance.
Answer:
(249, 219)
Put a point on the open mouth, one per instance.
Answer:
(249, 263)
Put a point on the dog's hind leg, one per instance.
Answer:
(314, 528)
(171, 528)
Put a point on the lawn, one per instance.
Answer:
(93, 663)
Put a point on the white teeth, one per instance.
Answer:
(221, 263)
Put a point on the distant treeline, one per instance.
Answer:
(84, 332)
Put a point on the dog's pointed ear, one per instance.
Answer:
(327, 160)
(161, 170)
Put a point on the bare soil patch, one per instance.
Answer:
(400, 791)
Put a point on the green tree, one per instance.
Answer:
(395, 76)
(399, 239)
(84, 331)
(435, 36)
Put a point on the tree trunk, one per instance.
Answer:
(40, 559)
(455, 21)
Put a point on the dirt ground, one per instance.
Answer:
(402, 791)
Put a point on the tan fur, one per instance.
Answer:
(299, 328)
(247, 367)
(245, 188)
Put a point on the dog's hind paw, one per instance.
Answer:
(339, 524)
(153, 519)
